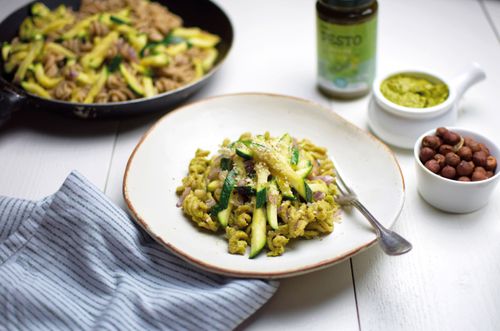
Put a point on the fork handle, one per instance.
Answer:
(391, 242)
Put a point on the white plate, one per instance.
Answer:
(161, 159)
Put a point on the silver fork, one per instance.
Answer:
(390, 242)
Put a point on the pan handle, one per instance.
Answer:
(11, 100)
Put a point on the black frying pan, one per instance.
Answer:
(201, 13)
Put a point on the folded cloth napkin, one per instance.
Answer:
(74, 261)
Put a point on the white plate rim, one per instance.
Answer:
(246, 274)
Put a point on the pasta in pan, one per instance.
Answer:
(263, 191)
(107, 51)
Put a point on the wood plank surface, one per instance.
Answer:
(450, 281)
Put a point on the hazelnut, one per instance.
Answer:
(441, 159)
(479, 158)
(467, 141)
(441, 131)
(452, 159)
(464, 179)
(448, 172)
(445, 149)
(465, 168)
(474, 145)
(478, 175)
(465, 153)
(451, 138)
(485, 149)
(480, 169)
(433, 166)
(491, 163)
(431, 141)
(426, 154)
(489, 174)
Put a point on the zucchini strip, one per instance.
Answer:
(131, 80)
(36, 89)
(58, 49)
(95, 58)
(103, 76)
(273, 197)
(220, 210)
(43, 79)
(35, 49)
(280, 167)
(258, 236)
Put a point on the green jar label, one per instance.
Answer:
(346, 55)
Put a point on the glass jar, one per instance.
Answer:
(346, 41)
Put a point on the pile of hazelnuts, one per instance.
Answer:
(455, 157)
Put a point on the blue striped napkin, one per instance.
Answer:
(74, 261)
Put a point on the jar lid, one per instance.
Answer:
(346, 3)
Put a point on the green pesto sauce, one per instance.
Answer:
(414, 92)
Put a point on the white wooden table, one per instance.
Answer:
(451, 279)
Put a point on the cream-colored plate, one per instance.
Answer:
(161, 159)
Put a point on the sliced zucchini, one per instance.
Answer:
(119, 20)
(35, 49)
(142, 69)
(204, 40)
(97, 87)
(6, 48)
(96, 56)
(304, 162)
(36, 89)
(285, 189)
(186, 32)
(262, 175)
(261, 198)
(198, 68)
(115, 62)
(138, 41)
(305, 171)
(318, 187)
(209, 60)
(175, 49)
(59, 49)
(80, 28)
(43, 79)
(239, 166)
(225, 196)
(280, 167)
(294, 158)
(55, 25)
(272, 204)
(86, 79)
(131, 80)
(172, 40)
(223, 215)
(226, 163)
(14, 61)
(285, 145)
(243, 151)
(258, 237)
(149, 89)
(39, 9)
(227, 189)
(158, 60)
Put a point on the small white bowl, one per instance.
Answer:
(400, 126)
(451, 195)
